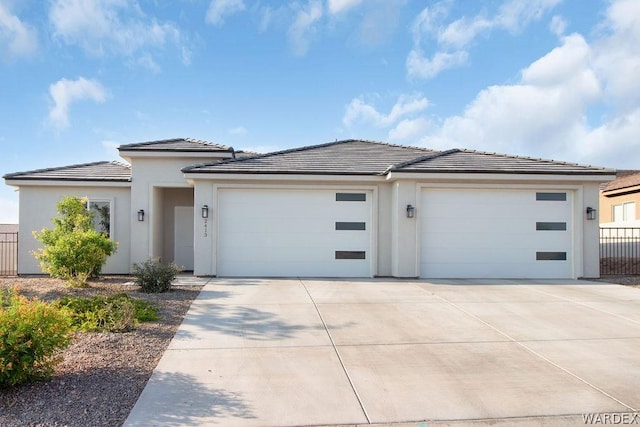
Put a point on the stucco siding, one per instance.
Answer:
(606, 209)
(38, 207)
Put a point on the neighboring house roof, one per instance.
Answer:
(97, 172)
(357, 157)
(624, 181)
(188, 145)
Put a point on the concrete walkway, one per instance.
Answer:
(258, 352)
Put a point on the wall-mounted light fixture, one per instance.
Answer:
(592, 213)
(411, 211)
(141, 215)
(205, 211)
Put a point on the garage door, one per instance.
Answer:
(289, 233)
(496, 234)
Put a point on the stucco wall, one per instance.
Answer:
(148, 174)
(606, 209)
(38, 207)
(396, 238)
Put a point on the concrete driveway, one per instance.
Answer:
(289, 352)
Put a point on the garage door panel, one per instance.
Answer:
(493, 233)
(495, 270)
(291, 233)
(329, 239)
(493, 255)
(484, 241)
(301, 269)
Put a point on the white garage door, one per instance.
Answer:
(289, 233)
(496, 234)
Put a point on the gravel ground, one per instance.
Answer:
(622, 280)
(102, 374)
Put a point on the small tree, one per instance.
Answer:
(73, 249)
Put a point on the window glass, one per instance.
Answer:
(560, 197)
(629, 213)
(624, 212)
(351, 197)
(101, 211)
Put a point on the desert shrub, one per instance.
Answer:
(73, 249)
(117, 313)
(153, 276)
(32, 334)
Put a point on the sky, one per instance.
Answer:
(542, 78)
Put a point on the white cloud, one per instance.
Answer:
(410, 129)
(65, 92)
(339, 6)
(117, 27)
(17, 39)
(549, 112)
(543, 112)
(461, 32)
(219, 9)
(304, 25)
(558, 26)
(419, 66)
(358, 111)
(454, 38)
(8, 211)
(617, 56)
(239, 130)
(514, 15)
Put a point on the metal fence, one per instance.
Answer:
(8, 254)
(620, 251)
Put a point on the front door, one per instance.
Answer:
(183, 249)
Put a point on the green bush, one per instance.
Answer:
(32, 334)
(153, 276)
(117, 313)
(73, 249)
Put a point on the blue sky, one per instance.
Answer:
(544, 78)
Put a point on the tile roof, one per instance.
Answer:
(471, 161)
(176, 145)
(97, 172)
(356, 157)
(348, 157)
(627, 180)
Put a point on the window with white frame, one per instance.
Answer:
(624, 212)
(101, 210)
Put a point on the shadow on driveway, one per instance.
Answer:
(191, 402)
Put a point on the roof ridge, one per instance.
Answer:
(74, 166)
(170, 140)
(388, 144)
(514, 156)
(265, 155)
(303, 148)
(420, 159)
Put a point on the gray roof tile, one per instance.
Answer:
(349, 157)
(356, 157)
(470, 161)
(97, 171)
(176, 145)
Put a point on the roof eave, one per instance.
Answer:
(75, 182)
(502, 175)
